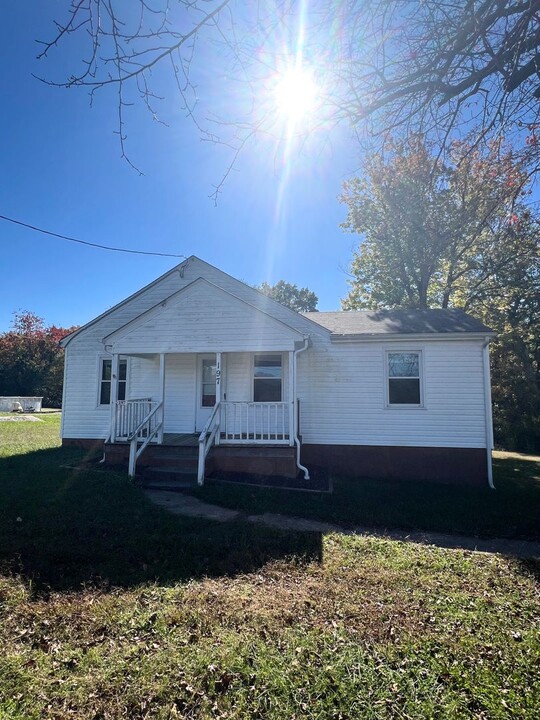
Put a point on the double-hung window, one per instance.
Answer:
(105, 380)
(267, 378)
(404, 379)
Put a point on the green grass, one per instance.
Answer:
(510, 511)
(110, 608)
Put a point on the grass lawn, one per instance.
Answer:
(110, 608)
(510, 511)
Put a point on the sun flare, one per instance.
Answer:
(296, 95)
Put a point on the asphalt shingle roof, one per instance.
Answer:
(388, 322)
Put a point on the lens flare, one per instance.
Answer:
(296, 95)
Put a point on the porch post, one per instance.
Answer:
(114, 394)
(162, 395)
(218, 395)
(292, 397)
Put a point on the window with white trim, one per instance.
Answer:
(267, 378)
(105, 380)
(403, 376)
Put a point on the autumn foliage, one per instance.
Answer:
(31, 359)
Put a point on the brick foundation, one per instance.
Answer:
(447, 465)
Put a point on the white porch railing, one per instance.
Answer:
(206, 440)
(129, 414)
(149, 428)
(265, 423)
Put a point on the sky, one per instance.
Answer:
(62, 170)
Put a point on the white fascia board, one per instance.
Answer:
(404, 337)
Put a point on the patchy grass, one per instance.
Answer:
(110, 608)
(510, 511)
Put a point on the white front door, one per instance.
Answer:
(206, 389)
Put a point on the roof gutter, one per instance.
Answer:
(404, 337)
(488, 411)
(301, 467)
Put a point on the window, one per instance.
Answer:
(403, 378)
(105, 381)
(208, 385)
(267, 376)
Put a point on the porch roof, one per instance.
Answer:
(202, 317)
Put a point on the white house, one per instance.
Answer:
(199, 358)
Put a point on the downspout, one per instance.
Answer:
(295, 400)
(488, 415)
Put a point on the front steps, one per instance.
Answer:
(175, 466)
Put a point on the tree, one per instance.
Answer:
(453, 235)
(381, 64)
(435, 233)
(31, 360)
(298, 299)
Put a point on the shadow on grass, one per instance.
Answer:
(511, 511)
(61, 528)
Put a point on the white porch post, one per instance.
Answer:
(114, 394)
(292, 397)
(162, 395)
(218, 394)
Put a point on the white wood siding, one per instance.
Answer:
(343, 400)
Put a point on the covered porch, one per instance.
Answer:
(200, 400)
(204, 362)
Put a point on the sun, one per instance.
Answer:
(296, 95)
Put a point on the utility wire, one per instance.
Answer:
(84, 242)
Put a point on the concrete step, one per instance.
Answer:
(168, 478)
(170, 461)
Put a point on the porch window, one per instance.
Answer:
(267, 378)
(106, 379)
(404, 387)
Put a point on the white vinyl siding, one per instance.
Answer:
(343, 396)
(204, 319)
(341, 387)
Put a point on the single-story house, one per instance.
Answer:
(199, 358)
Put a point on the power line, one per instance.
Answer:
(84, 242)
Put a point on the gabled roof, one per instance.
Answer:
(398, 322)
(260, 301)
(187, 289)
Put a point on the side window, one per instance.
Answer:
(267, 378)
(106, 379)
(403, 370)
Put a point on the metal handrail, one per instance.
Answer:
(206, 438)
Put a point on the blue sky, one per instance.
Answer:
(61, 170)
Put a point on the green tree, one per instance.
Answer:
(298, 299)
(456, 234)
(31, 360)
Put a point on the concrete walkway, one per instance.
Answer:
(180, 504)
